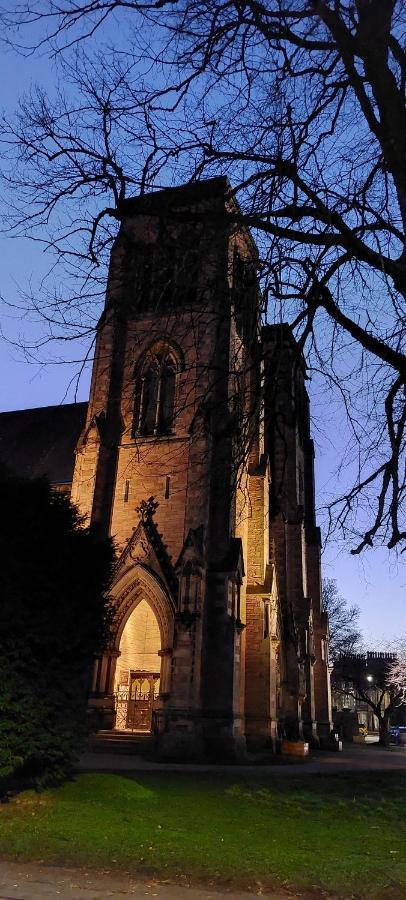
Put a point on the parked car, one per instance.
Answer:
(398, 734)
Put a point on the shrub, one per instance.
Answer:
(54, 617)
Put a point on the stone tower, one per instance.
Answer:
(196, 457)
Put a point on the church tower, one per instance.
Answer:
(213, 637)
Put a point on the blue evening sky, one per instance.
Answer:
(376, 581)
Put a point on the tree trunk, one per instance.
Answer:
(384, 732)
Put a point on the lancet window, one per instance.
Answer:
(142, 276)
(154, 410)
(245, 297)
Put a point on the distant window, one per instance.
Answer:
(149, 399)
(142, 275)
(166, 402)
(245, 296)
(188, 269)
(266, 620)
(156, 392)
(165, 276)
(300, 485)
(176, 271)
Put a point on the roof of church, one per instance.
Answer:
(42, 441)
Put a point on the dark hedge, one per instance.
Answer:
(54, 617)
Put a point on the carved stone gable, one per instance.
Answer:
(146, 548)
(192, 550)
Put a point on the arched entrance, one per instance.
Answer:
(138, 669)
(137, 666)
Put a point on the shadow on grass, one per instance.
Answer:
(343, 834)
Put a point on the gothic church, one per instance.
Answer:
(194, 453)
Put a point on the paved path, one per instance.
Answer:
(357, 757)
(29, 881)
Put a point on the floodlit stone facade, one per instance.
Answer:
(196, 457)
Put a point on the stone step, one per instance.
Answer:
(121, 742)
(124, 735)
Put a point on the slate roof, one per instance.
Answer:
(42, 441)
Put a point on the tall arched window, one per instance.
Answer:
(150, 389)
(156, 391)
(166, 406)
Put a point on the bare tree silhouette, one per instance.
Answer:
(302, 105)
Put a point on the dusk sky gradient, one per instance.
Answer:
(376, 581)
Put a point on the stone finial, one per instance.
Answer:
(147, 508)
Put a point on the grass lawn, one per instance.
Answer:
(344, 834)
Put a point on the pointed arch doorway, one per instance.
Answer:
(138, 671)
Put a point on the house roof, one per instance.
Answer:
(41, 442)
